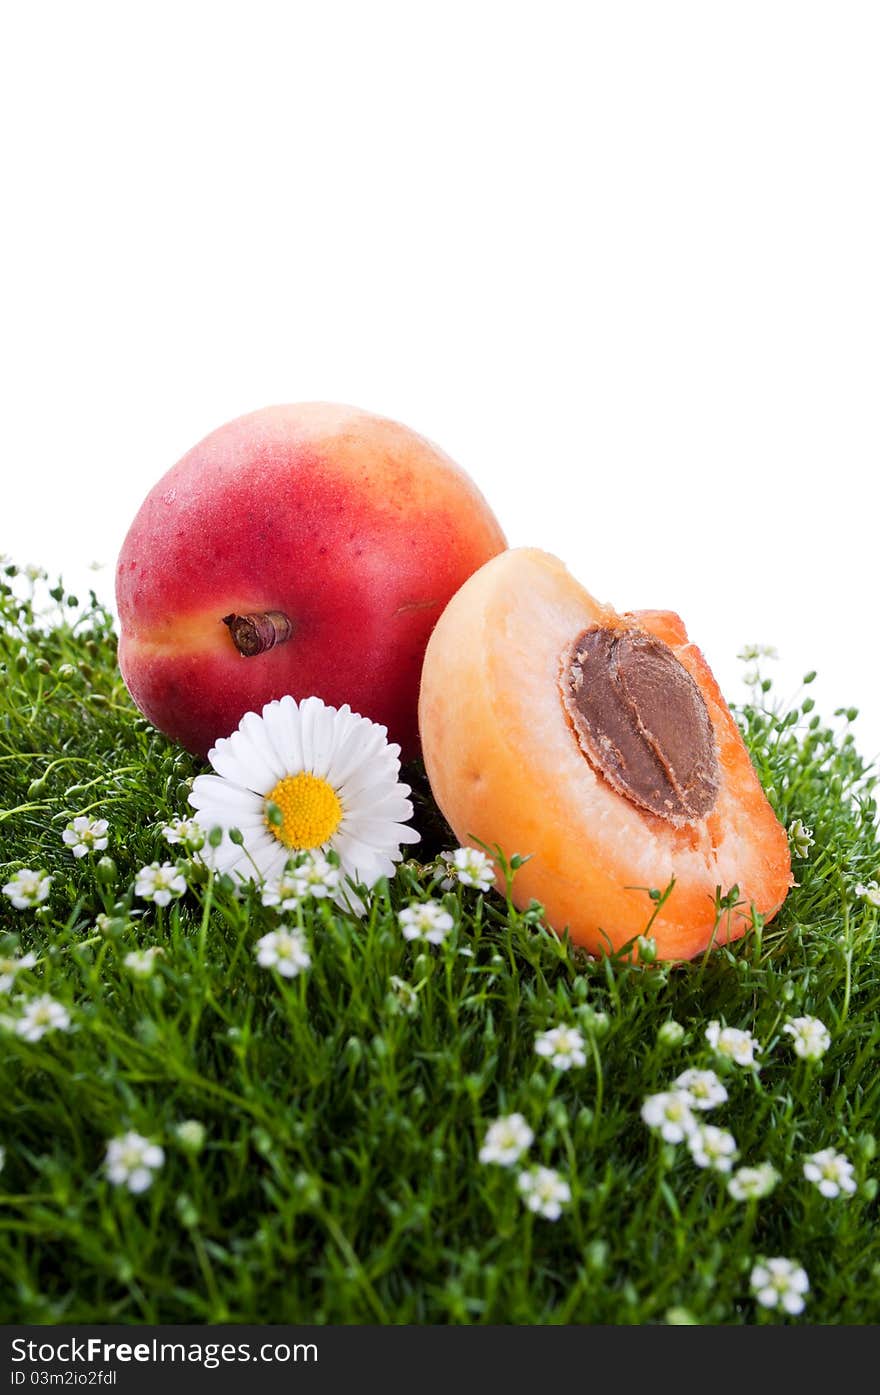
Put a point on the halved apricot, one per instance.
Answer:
(599, 744)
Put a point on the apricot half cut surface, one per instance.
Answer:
(599, 744)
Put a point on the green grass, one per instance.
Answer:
(339, 1181)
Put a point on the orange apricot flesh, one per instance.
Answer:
(507, 768)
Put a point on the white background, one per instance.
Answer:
(622, 261)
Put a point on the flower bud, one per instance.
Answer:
(670, 1033)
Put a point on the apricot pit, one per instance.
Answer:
(642, 722)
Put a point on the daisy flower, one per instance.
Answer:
(42, 1015)
(751, 1183)
(132, 1161)
(506, 1140)
(27, 889)
(800, 837)
(669, 1114)
(84, 835)
(425, 920)
(562, 1046)
(712, 1147)
(159, 884)
(810, 1037)
(702, 1087)
(184, 833)
(869, 892)
(831, 1171)
(780, 1283)
(469, 866)
(544, 1191)
(284, 950)
(302, 777)
(12, 965)
(739, 1047)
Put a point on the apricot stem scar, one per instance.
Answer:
(254, 634)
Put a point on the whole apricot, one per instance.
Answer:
(303, 549)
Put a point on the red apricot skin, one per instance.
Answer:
(353, 525)
(506, 769)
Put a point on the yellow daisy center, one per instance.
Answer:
(310, 811)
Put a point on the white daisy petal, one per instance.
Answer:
(376, 796)
(380, 833)
(362, 872)
(349, 751)
(258, 860)
(226, 760)
(282, 730)
(374, 766)
(215, 792)
(365, 750)
(385, 801)
(323, 741)
(308, 713)
(255, 753)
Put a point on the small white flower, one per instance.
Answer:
(831, 1171)
(110, 924)
(780, 1283)
(404, 997)
(312, 874)
(159, 883)
(12, 965)
(141, 962)
(27, 889)
(132, 1161)
(425, 920)
(751, 1183)
(702, 1087)
(669, 1114)
(281, 892)
(869, 892)
(42, 1015)
(306, 777)
(471, 867)
(191, 1134)
(738, 1046)
(712, 1147)
(84, 835)
(750, 652)
(506, 1140)
(810, 1037)
(185, 833)
(544, 1191)
(284, 950)
(562, 1046)
(800, 837)
(35, 573)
